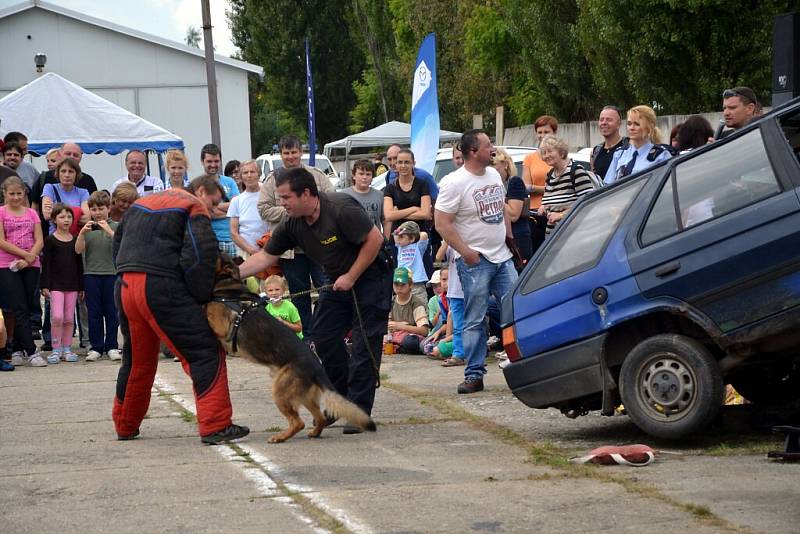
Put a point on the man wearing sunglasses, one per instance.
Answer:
(739, 106)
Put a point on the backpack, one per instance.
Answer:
(597, 183)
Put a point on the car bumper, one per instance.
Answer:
(569, 372)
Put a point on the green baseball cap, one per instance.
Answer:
(402, 275)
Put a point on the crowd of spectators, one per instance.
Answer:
(481, 224)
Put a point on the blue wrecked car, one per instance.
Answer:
(657, 291)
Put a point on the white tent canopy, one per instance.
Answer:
(385, 134)
(51, 110)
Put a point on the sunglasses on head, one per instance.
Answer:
(730, 93)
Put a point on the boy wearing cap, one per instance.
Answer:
(408, 319)
(411, 245)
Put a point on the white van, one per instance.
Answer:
(270, 162)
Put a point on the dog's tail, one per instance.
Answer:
(338, 406)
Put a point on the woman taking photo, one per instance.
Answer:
(566, 182)
(66, 193)
(644, 149)
(407, 198)
(517, 202)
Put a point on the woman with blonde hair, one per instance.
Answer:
(176, 166)
(644, 146)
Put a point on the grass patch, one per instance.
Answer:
(384, 377)
(738, 445)
(274, 428)
(557, 458)
(188, 416)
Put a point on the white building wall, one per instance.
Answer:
(160, 84)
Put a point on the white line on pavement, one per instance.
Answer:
(264, 478)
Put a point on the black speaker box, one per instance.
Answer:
(785, 58)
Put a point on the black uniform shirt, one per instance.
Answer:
(335, 238)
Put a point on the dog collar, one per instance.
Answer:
(241, 310)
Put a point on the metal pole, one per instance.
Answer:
(211, 73)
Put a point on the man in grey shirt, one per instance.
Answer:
(370, 198)
(25, 170)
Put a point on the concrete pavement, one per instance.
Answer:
(438, 463)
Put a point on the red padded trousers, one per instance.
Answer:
(152, 309)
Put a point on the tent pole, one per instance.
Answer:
(161, 168)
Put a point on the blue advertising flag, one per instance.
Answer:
(425, 107)
(312, 129)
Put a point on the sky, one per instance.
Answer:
(165, 18)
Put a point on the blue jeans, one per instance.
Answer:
(457, 310)
(479, 281)
(299, 272)
(103, 318)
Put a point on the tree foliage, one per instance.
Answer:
(566, 58)
(272, 34)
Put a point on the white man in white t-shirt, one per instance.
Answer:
(470, 217)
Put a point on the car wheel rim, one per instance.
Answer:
(666, 387)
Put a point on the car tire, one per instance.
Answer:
(768, 386)
(671, 386)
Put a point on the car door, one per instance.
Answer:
(724, 231)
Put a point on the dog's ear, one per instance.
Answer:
(228, 266)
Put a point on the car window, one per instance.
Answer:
(713, 184)
(580, 244)
(791, 129)
(442, 168)
(662, 221)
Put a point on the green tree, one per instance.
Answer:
(678, 55)
(192, 37)
(552, 74)
(378, 91)
(272, 34)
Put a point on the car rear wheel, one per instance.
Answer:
(671, 386)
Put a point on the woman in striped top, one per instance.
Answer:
(566, 181)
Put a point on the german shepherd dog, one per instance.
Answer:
(298, 378)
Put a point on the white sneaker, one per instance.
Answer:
(69, 356)
(504, 364)
(36, 360)
(501, 355)
(54, 357)
(93, 356)
(115, 355)
(18, 359)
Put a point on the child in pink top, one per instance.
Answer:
(20, 244)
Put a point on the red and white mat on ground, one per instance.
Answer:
(631, 455)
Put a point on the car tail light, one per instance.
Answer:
(510, 344)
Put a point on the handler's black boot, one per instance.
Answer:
(227, 434)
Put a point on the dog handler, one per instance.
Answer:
(165, 253)
(335, 231)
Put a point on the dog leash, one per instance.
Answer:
(360, 325)
(259, 301)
